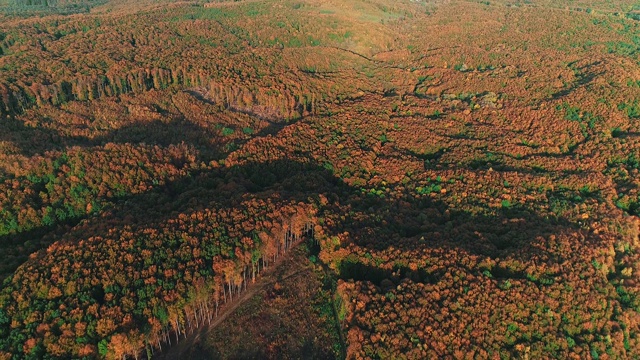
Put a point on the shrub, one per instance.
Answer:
(617, 132)
(632, 110)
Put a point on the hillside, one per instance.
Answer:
(455, 179)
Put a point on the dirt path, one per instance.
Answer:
(267, 278)
(178, 351)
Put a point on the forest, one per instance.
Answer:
(283, 179)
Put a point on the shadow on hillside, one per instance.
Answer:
(211, 145)
(403, 223)
(16, 249)
(379, 223)
(31, 141)
(373, 222)
(211, 142)
(582, 79)
(288, 178)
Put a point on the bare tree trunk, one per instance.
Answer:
(208, 314)
(177, 332)
(253, 272)
(244, 277)
(198, 319)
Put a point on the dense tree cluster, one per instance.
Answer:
(57, 60)
(136, 284)
(47, 6)
(474, 200)
(423, 300)
(510, 238)
(76, 182)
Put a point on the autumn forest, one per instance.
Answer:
(319, 179)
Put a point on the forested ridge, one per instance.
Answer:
(464, 175)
